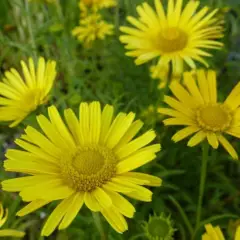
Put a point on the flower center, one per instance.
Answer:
(214, 117)
(171, 40)
(89, 167)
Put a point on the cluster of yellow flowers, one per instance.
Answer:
(91, 24)
(90, 159)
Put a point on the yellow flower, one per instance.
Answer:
(91, 28)
(99, 3)
(162, 75)
(195, 105)
(21, 95)
(178, 36)
(8, 232)
(215, 233)
(89, 160)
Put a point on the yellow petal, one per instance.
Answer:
(76, 203)
(94, 122)
(102, 197)
(106, 121)
(55, 218)
(183, 133)
(31, 207)
(212, 139)
(227, 145)
(115, 219)
(131, 132)
(136, 160)
(122, 205)
(118, 128)
(11, 233)
(136, 144)
(149, 180)
(237, 235)
(91, 202)
(197, 138)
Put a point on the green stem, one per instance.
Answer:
(205, 148)
(30, 29)
(98, 223)
(183, 214)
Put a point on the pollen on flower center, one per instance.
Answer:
(89, 167)
(171, 40)
(215, 117)
(88, 162)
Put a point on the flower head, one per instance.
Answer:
(99, 3)
(8, 232)
(19, 95)
(159, 228)
(160, 74)
(215, 233)
(195, 106)
(87, 160)
(91, 28)
(178, 36)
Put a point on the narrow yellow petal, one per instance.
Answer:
(32, 206)
(122, 205)
(91, 202)
(106, 121)
(237, 234)
(102, 197)
(183, 133)
(227, 145)
(197, 138)
(212, 139)
(11, 233)
(41, 72)
(59, 125)
(131, 132)
(149, 180)
(134, 161)
(142, 194)
(136, 144)
(115, 219)
(73, 125)
(118, 128)
(55, 218)
(17, 184)
(76, 203)
(94, 122)
(117, 187)
(84, 121)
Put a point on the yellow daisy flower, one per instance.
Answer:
(91, 28)
(20, 95)
(8, 232)
(177, 36)
(215, 233)
(87, 160)
(195, 105)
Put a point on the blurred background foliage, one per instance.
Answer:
(104, 73)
